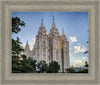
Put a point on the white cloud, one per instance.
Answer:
(73, 39)
(79, 48)
(84, 58)
(78, 63)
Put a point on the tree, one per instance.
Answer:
(16, 48)
(20, 64)
(27, 65)
(24, 65)
(83, 71)
(42, 66)
(53, 67)
(70, 70)
(16, 24)
(32, 62)
(15, 64)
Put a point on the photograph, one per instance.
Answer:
(50, 42)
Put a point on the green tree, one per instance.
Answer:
(16, 48)
(20, 64)
(15, 64)
(26, 65)
(70, 70)
(16, 24)
(83, 71)
(42, 66)
(16, 44)
(32, 62)
(53, 67)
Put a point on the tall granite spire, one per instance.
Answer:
(27, 43)
(53, 24)
(62, 32)
(42, 25)
(27, 48)
(54, 30)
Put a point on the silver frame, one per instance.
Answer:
(7, 6)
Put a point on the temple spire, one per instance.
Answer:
(27, 42)
(53, 24)
(42, 25)
(53, 18)
(62, 32)
(27, 48)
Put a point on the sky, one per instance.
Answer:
(75, 25)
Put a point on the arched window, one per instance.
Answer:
(44, 43)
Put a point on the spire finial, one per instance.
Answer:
(42, 20)
(53, 25)
(53, 18)
(63, 31)
(42, 23)
(27, 42)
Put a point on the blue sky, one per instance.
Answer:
(75, 25)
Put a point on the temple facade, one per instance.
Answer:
(50, 47)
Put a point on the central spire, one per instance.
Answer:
(53, 18)
(27, 42)
(53, 24)
(62, 32)
(42, 25)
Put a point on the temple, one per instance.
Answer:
(50, 47)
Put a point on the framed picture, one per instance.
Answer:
(49, 42)
(51, 50)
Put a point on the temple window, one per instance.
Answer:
(43, 43)
(56, 45)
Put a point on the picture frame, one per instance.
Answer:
(7, 6)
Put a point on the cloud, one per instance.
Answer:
(78, 63)
(79, 48)
(73, 39)
(84, 58)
